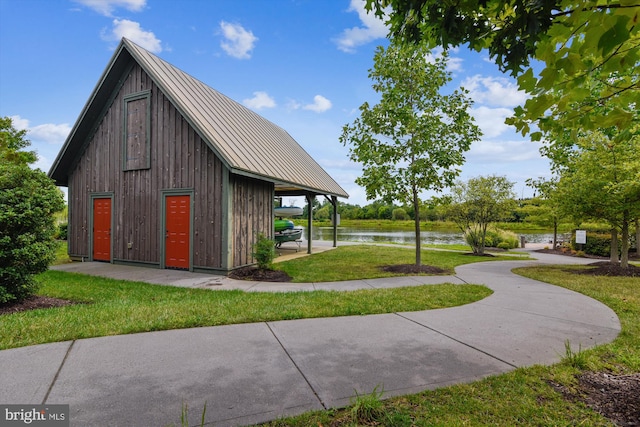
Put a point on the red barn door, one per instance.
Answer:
(102, 229)
(177, 231)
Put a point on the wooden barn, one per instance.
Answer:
(164, 171)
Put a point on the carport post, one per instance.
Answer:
(310, 198)
(334, 202)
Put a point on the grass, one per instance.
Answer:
(364, 262)
(523, 396)
(114, 307)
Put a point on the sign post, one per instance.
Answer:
(581, 238)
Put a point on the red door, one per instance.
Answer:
(102, 229)
(177, 232)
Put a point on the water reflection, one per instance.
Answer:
(371, 235)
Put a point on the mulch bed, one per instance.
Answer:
(600, 268)
(616, 397)
(33, 303)
(255, 274)
(605, 268)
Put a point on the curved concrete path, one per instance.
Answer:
(257, 372)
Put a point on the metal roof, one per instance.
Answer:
(246, 142)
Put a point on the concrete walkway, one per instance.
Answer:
(257, 372)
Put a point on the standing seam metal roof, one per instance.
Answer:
(246, 141)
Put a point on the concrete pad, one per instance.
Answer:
(240, 371)
(27, 372)
(517, 338)
(347, 285)
(281, 287)
(347, 355)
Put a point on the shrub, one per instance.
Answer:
(264, 252)
(597, 244)
(61, 233)
(28, 200)
(399, 214)
(497, 238)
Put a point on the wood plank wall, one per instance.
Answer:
(179, 160)
(252, 214)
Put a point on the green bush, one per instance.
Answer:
(264, 252)
(28, 201)
(61, 233)
(597, 244)
(497, 238)
(399, 214)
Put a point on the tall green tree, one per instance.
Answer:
(577, 42)
(548, 211)
(415, 137)
(28, 201)
(603, 183)
(477, 203)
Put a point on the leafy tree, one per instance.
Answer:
(414, 139)
(603, 183)
(12, 143)
(476, 204)
(579, 43)
(549, 211)
(28, 202)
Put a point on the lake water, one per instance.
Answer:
(370, 235)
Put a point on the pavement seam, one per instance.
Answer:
(55, 377)
(315, 393)
(457, 340)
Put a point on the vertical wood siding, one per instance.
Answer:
(178, 159)
(252, 214)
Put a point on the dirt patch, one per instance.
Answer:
(255, 274)
(616, 397)
(33, 303)
(413, 269)
(605, 268)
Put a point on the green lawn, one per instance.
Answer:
(364, 262)
(112, 307)
(522, 397)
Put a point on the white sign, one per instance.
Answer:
(581, 237)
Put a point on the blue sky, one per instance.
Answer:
(302, 64)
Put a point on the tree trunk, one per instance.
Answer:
(613, 258)
(637, 238)
(416, 211)
(624, 256)
(555, 233)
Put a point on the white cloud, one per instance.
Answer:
(238, 42)
(494, 91)
(454, 63)
(106, 7)
(133, 31)
(320, 104)
(503, 151)
(260, 100)
(292, 104)
(491, 120)
(49, 132)
(372, 28)
(19, 123)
